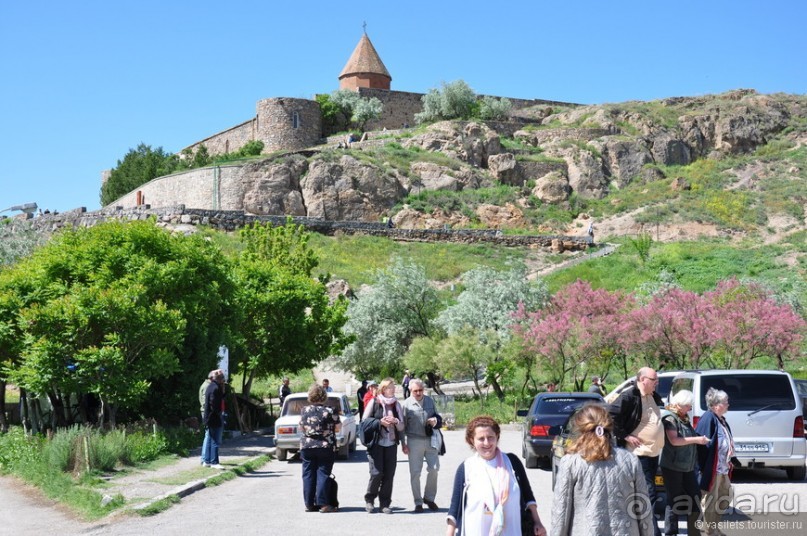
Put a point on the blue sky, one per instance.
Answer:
(83, 82)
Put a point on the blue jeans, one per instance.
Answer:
(210, 446)
(649, 468)
(317, 465)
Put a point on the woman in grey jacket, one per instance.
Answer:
(600, 488)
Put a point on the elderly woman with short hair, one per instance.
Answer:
(318, 427)
(677, 463)
(714, 459)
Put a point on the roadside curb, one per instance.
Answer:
(197, 485)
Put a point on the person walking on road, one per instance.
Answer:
(405, 384)
(360, 397)
(637, 427)
(492, 494)
(599, 489)
(318, 426)
(383, 455)
(202, 391)
(678, 459)
(284, 391)
(715, 461)
(214, 419)
(420, 422)
(596, 386)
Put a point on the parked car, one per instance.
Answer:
(561, 443)
(765, 414)
(287, 434)
(544, 420)
(663, 388)
(801, 387)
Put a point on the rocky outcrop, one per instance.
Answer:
(552, 188)
(349, 190)
(469, 142)
(274, 188)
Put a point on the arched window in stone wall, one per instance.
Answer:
(295, 120)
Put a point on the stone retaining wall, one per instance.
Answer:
(231, 220)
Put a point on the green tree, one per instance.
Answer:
(120, 310)
(358, 109)
(456, 100)
(138, 167)
(493, 109)
(486, 306)
(287, 322)
(386, 318)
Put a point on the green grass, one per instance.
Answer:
(697, 266)
(357, 258)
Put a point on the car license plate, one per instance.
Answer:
(752, 447)
(659, 480)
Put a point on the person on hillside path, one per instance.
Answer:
(596, 386)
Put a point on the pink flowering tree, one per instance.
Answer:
(748, 324)
(674, 330)
(577, 334)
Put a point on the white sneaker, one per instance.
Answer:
(205, 464)
(217, 466)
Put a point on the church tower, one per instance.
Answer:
(364, 68)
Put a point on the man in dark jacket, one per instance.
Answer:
(638, 428)
(214, 422)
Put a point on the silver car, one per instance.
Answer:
(765, 415)
(287, 434)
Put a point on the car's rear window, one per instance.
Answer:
(559, 406)
(296, 405)
(750, 392)
(664, 385)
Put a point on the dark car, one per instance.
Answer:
(562, 441)
(544, 420)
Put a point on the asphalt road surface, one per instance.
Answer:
(269, 502)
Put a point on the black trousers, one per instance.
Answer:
(683, 498)
(383, 461)
(649, 468)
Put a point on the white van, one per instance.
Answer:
(765, 415)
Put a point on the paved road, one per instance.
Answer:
(269, 502)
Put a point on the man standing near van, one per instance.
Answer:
(638, 428)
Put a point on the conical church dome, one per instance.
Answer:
(364, 68)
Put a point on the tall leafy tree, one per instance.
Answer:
(138, 167)
(18, 239)
(287, 320)
(126, 311)
(486, 306)
(385, 318)
(577, 334)
(358, 109)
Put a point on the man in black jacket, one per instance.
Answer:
(637, 426)
(214, 422)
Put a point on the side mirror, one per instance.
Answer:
(522, 412)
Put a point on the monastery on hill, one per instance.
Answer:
(282, 124)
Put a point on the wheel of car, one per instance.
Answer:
(353, 445)
(797, 473)
(282, 454)
(531, 461)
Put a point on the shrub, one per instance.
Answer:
(456, 100)
(59, 452)
(144, 447)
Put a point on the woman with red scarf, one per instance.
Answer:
(383, 455)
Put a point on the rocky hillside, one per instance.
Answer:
(731, 164)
